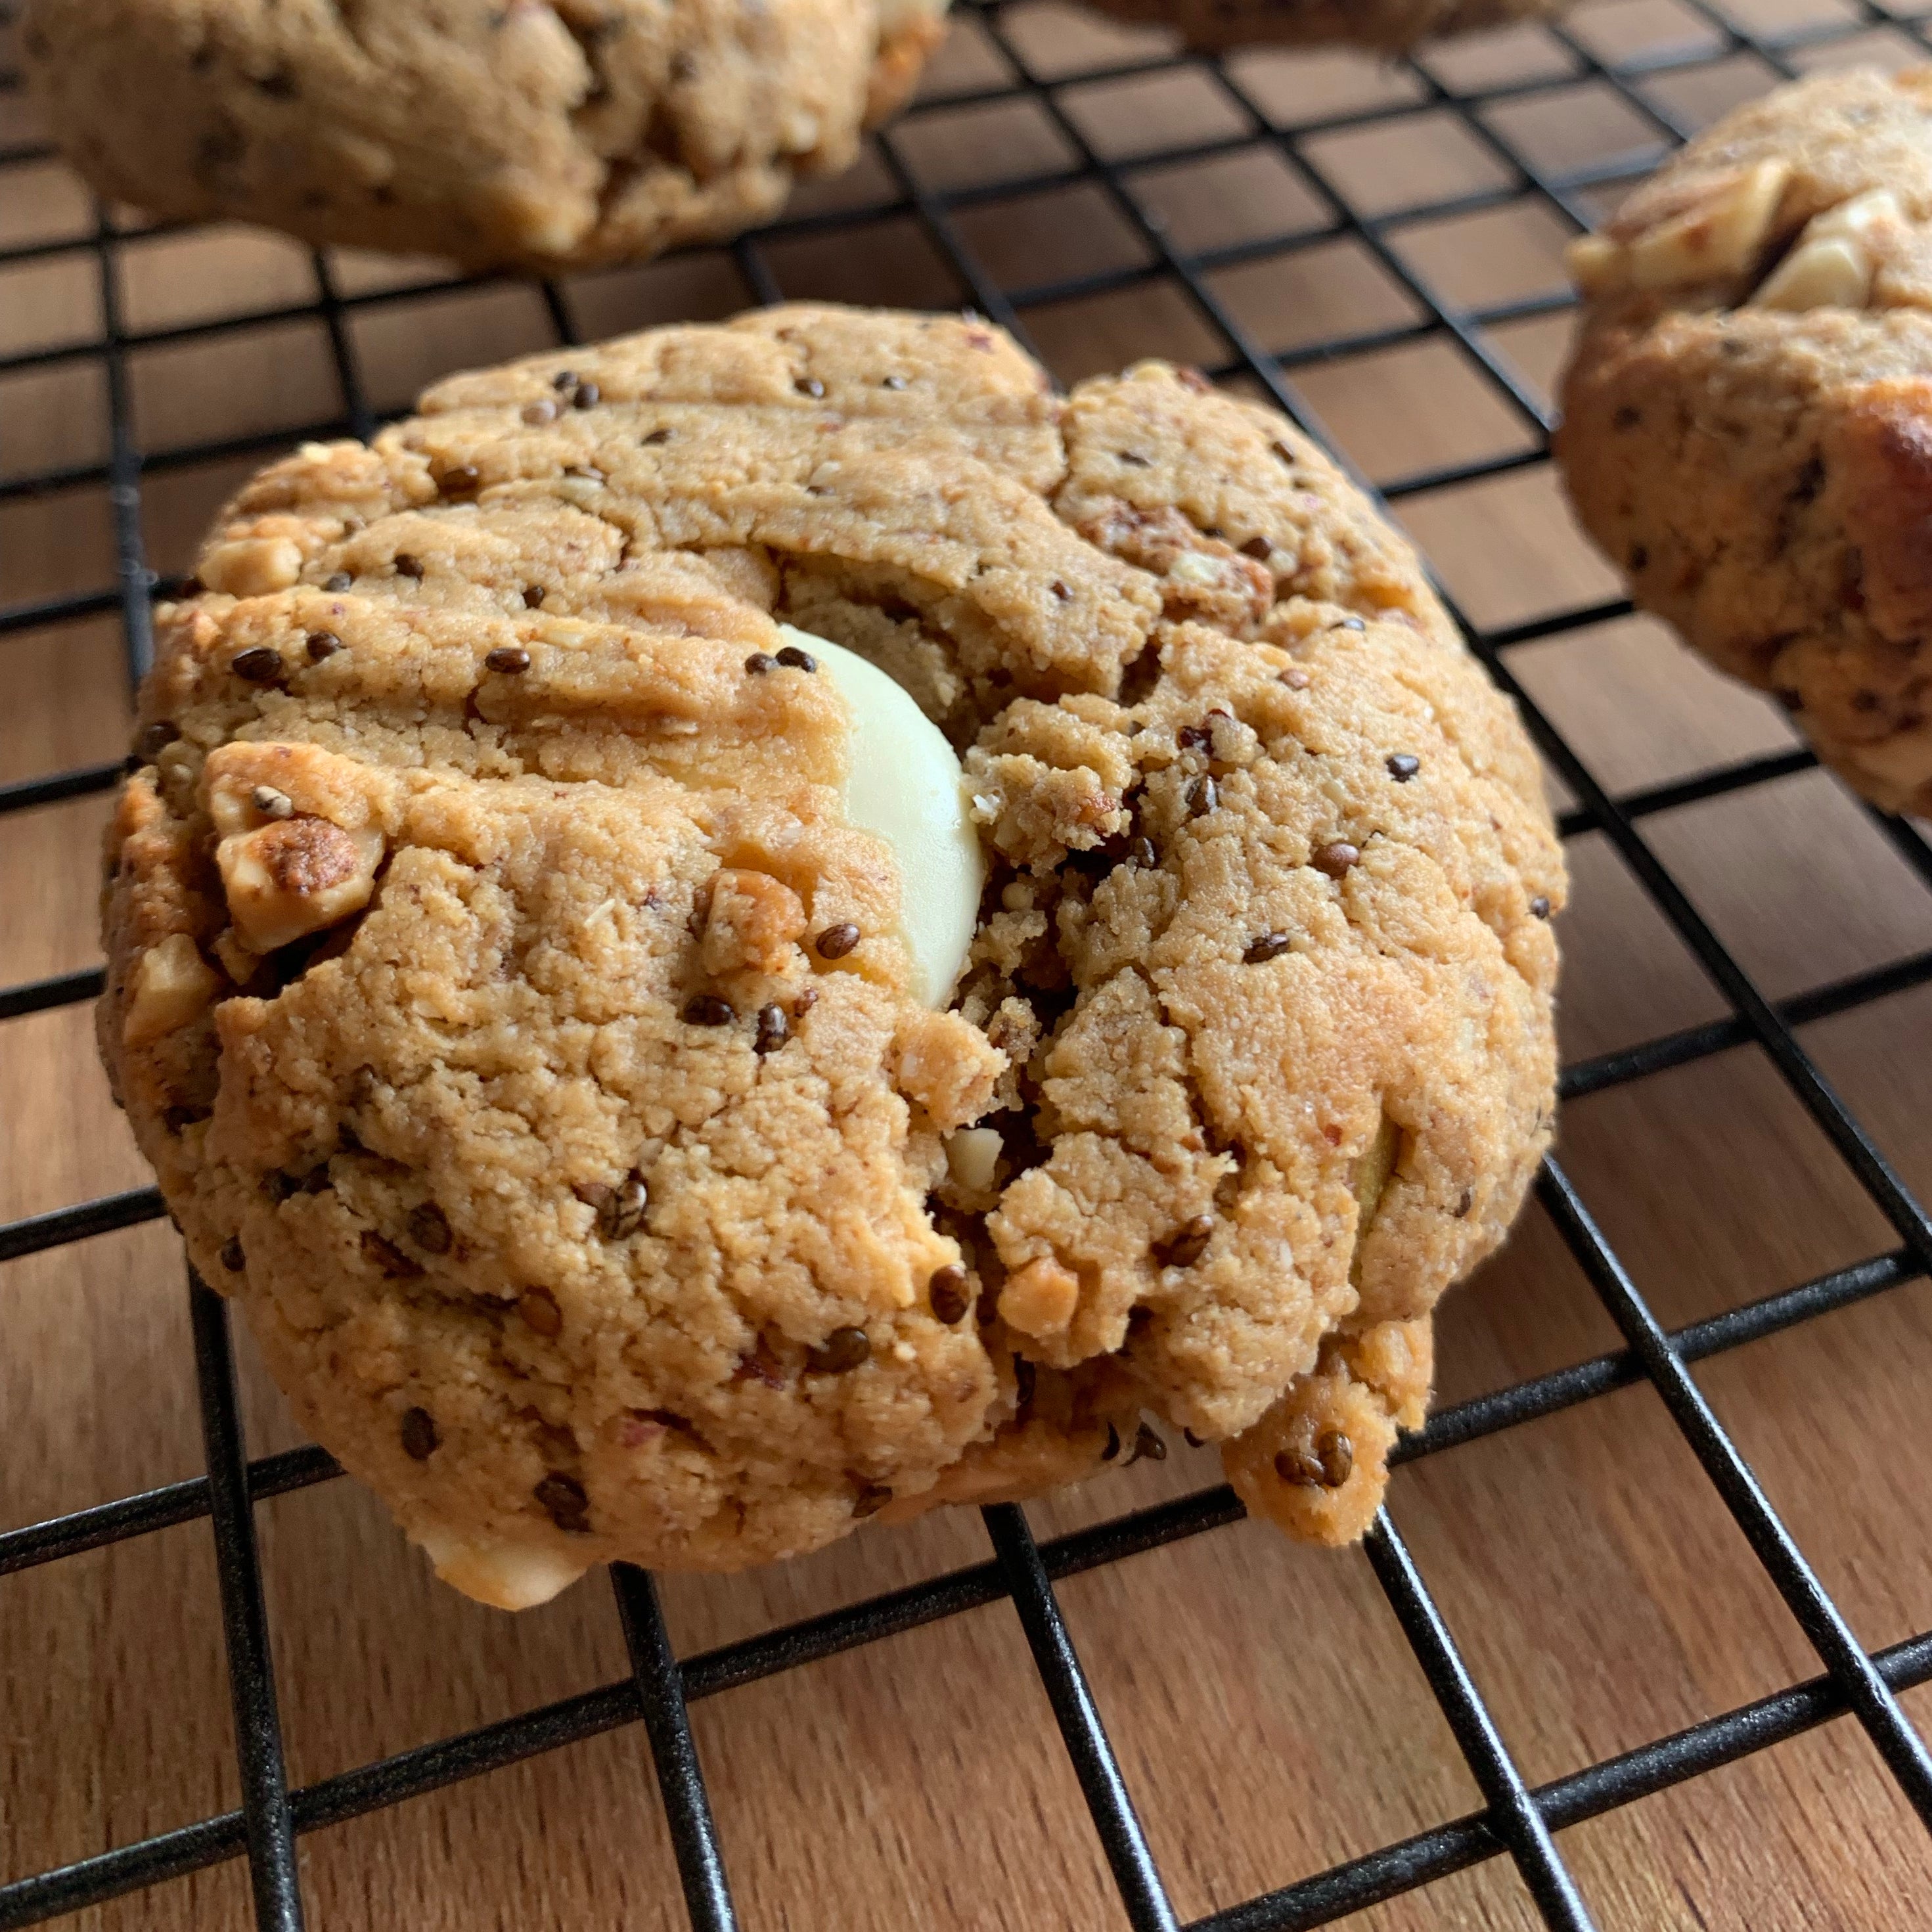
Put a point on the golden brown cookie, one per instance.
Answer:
(515, 1018)
(542, 134)
(1387, 26)
(1748, 419)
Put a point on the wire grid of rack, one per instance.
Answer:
(1518, 1821)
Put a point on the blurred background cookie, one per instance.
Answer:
(542, 134)
(1748, 419)
(1389, 25)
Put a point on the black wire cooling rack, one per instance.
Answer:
(1518, 1820)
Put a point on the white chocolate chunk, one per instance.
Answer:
(1832, 265)
(1717, 237)
(505, 1575)
(292, 877)
(1865, 218)
(971, 1155)
(904, 786)
(1596, 265)
(172, 985)
(1830, 272)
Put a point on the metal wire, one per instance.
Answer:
(1518, 1819)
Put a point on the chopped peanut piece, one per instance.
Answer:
(1039, 1299)
(294, 876)
(754, 925)
(172, 985)
(252, 566)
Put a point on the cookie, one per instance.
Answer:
(529, 1036)
(539, 134)
(1387, 26)
(1747, 417)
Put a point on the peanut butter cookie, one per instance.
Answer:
(536, 1032)
(1748, 419)
(542, 134)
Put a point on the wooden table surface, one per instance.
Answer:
(1270, 1719)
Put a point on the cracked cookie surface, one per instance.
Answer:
(1388, 26)
(543, 134)
(515, 1026)
(1747, 418)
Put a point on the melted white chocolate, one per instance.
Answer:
(905, 786)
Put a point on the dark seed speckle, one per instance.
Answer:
(259, 664)
(419, 1436)
(429, 1227)
(1186, 1244)
(842, 1351)
(387, 1257)
(563, 1498)
(946, 1291)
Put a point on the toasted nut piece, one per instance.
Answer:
(1190, 566)
(970, 1157)
(1597, 265)
(1830, 272)
(1039, 1298)
(252, 566)
(295, 876)
(1716, 238)
(753, 925)
(172, 984)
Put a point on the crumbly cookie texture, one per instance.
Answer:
(1748, 419)
(515, 1023)
(544, 134)
(1387, 26)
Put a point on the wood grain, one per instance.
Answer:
(1269, 1717)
